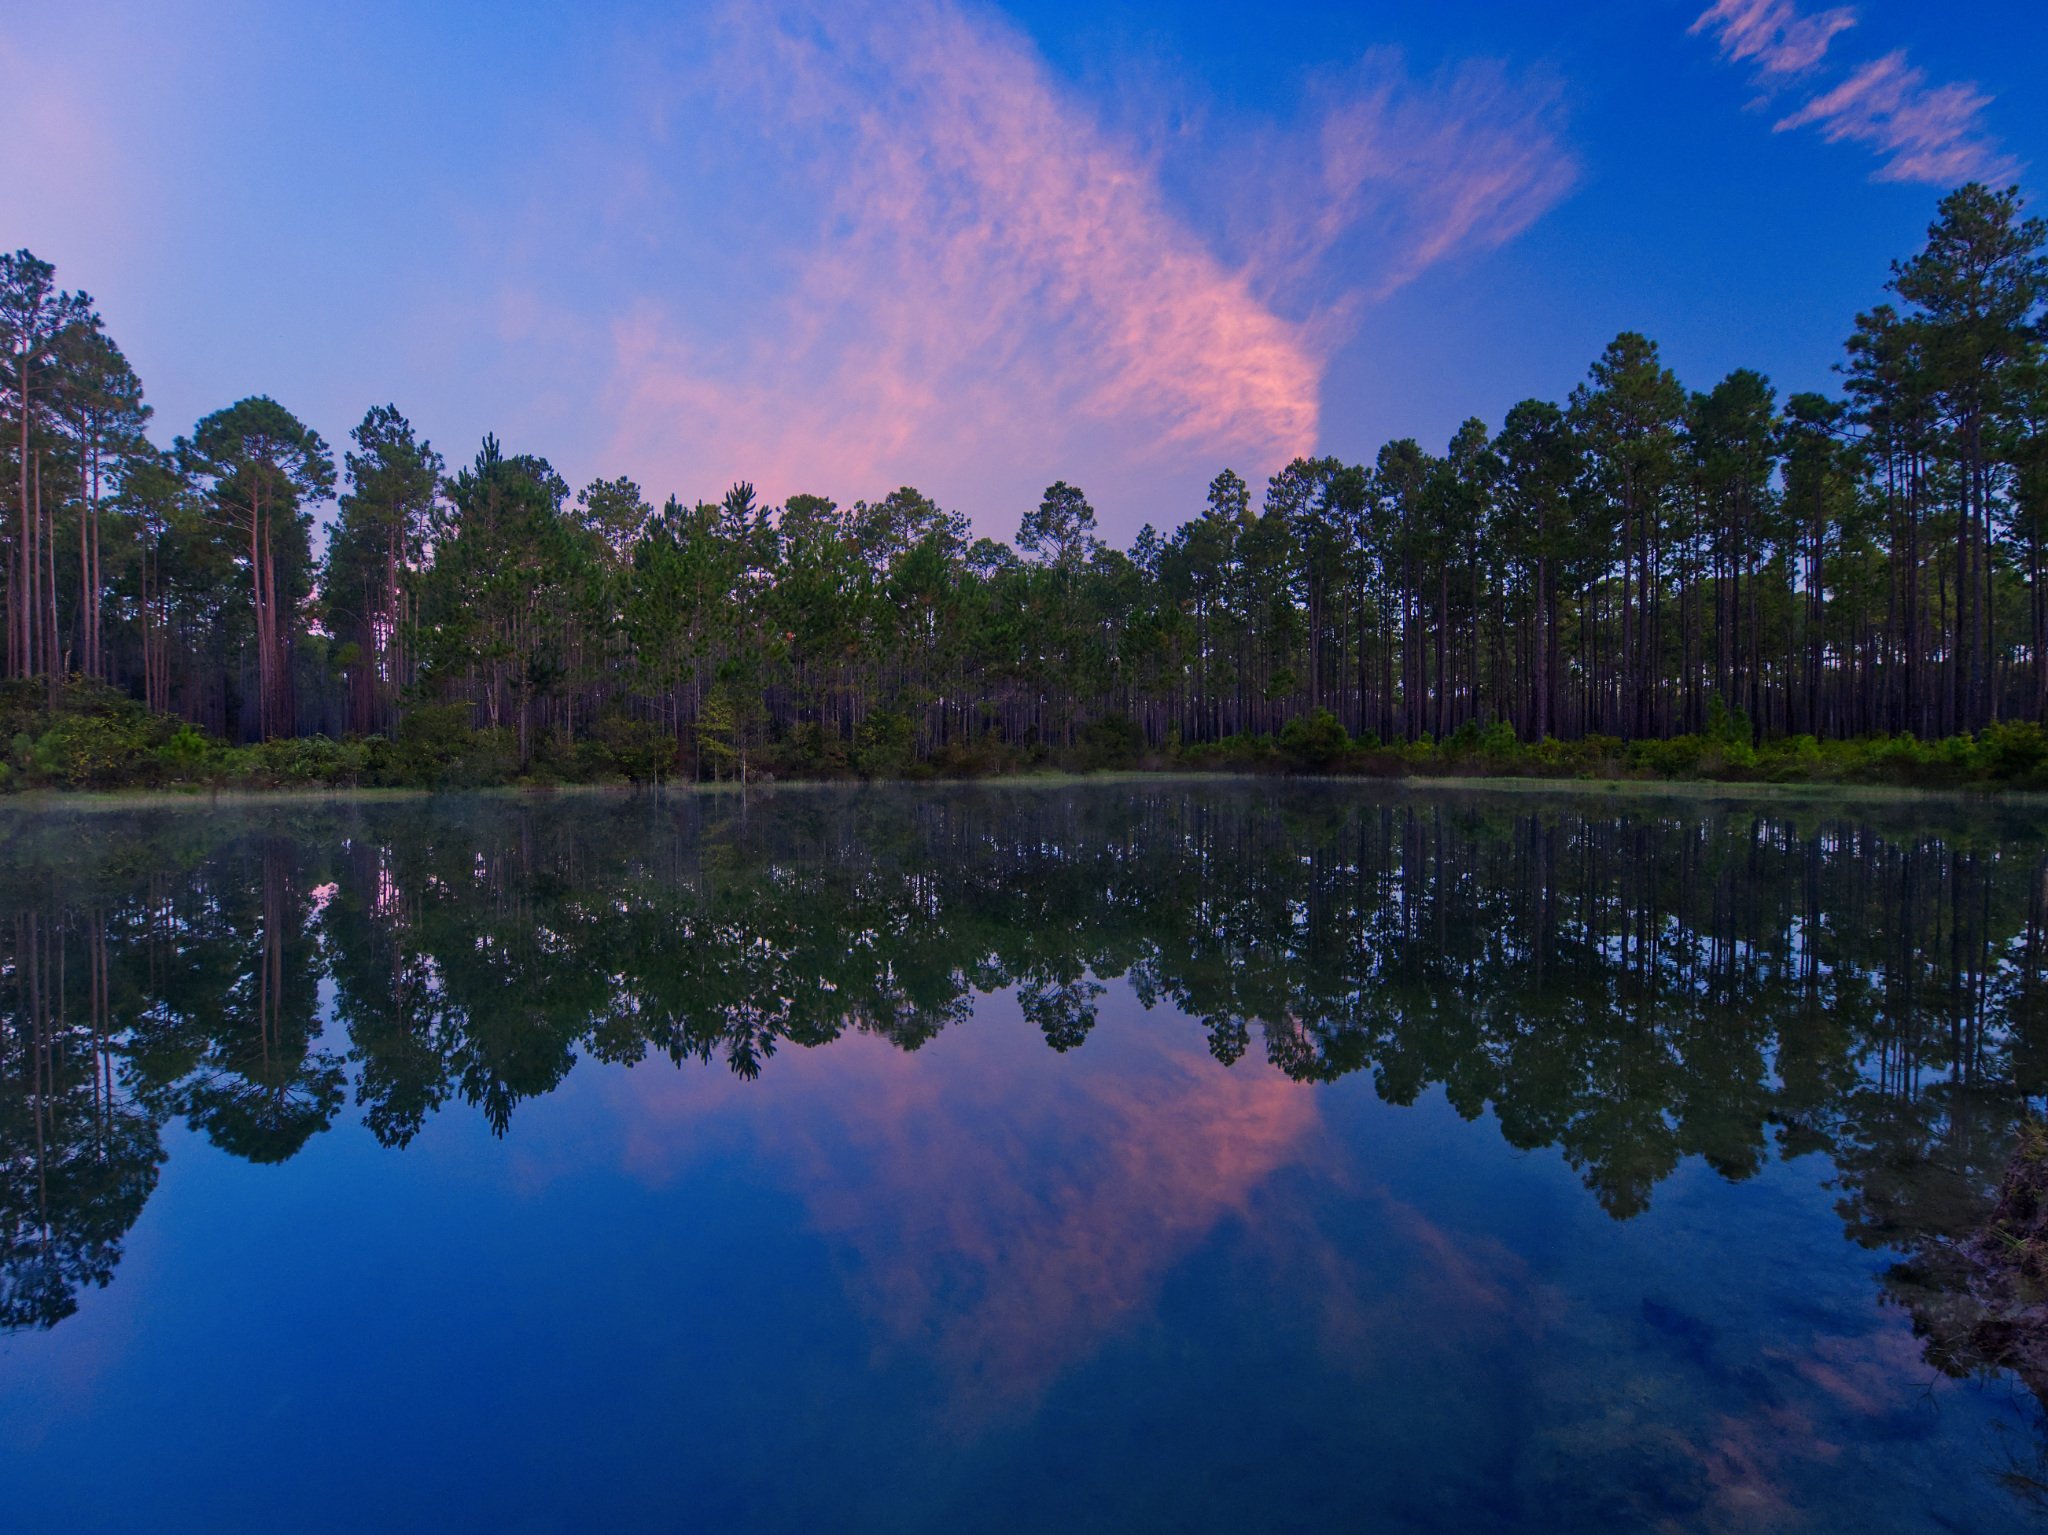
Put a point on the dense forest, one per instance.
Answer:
(1636, 563)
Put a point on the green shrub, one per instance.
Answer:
(1678, 757)
(96, 737)
(1112, 741)
(184, 757)
(433, 737)
(1318, 741)
(982, 757)
(2014, 752)
(90, 751)
(296, 762)
(885, 746)
(1597, 756)
(809, 750)
(1796, 759)
(1246, 749)
(438, 748)
(637, 750)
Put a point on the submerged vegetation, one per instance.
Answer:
(1981, 1296)
(1640, 581)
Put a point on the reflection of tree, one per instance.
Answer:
(78, 1158)
(1951, 1056)
(234, 1051)
(1064, 1011)
(402, 1037)
(1632, 990)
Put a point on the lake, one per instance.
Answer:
(1122, 1156)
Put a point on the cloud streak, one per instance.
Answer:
(1924, 133)
(1921, 132)
(993, 267)
(1465, 166)
(999, 289)
(1772, 34)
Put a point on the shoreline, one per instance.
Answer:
(1693, 790)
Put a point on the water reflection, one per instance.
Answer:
(994, 1216)
(1631, 987)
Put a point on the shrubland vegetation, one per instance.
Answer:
(1641, 580)
(99, 739)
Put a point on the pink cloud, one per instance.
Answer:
(1773, 34)
(1926, 133)
(999, 290)
(1464, 166)
(993, 268)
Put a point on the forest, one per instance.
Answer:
(1641, 578)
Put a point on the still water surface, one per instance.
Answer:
(1150, 1156)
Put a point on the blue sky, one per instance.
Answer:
(976, 247)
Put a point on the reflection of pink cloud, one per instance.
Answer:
(1927, 134)
(999, 287)
(1869, 1374)
(1455, 1292)
(1751, 1460)
(996, 1207)
(1773, 34)
(1745, 1460)
(1159, 1159)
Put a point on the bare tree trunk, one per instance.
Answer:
(21, 650)
(52, 645)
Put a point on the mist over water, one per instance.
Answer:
(1127, 1155)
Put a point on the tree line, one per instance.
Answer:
(1638, 561)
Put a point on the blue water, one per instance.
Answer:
(905, 1274)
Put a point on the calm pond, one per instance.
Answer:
(1131, 1156)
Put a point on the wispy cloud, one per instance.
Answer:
(1773, 34)
(988, 256)
(1464, 165)
(999, 290)
(1927, 133)
(1922, 132)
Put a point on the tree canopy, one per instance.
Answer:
(1638, 561)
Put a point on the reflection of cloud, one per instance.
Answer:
(1751, 1460)
(1744, 1460)
(1773, 34)
(1867, 1374)
(998, 1207)
(1455, 1291)
(998, 285)
(1932, 134)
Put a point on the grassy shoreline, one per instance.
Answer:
(1609, 789)
(98, 746)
